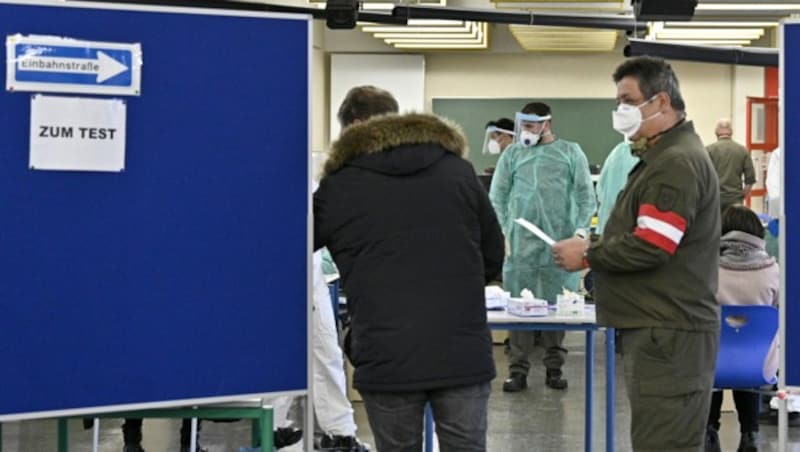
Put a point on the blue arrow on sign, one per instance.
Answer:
(79, 65)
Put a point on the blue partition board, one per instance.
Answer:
(791, 159)
(185, 276)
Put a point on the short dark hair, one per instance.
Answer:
(536, 108)
(364, 102)
(740, 218)
(654, 76)
(502, 123)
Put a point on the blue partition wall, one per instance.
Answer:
(790, 255)
(184, 276)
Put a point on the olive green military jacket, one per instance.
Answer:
(656, 264)
(732, 161)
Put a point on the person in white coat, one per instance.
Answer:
(331, 406)
(333, 410)
(773, 182)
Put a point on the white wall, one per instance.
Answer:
(711, 91)
(319, 90)
(748, 81)
(401, 75)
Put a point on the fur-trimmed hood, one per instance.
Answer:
(382, 134)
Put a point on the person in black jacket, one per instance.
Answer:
(415, 239)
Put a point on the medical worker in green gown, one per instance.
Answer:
(545, 180)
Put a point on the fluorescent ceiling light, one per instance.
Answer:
(390, 3)
(730, 42)
(614, 6)
(747, 6)
(674, 33)
(434, 22)
(425, 35)
(442, 47)
(462, 35)
(476, 40)
(461, 27)
(730, 24)
(465, 29)
(560, 39)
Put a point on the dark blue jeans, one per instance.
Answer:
(396, 418)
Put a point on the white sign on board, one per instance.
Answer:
(77, 134)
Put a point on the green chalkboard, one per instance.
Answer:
(585, 121)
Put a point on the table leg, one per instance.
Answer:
(589, 388)
(63, 435)
(266, 428)
(428, 428)
(610, 388)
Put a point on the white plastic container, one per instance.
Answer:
(569, 304)
(527, 307)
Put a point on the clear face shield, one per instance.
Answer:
(529, 128)
(492, 140)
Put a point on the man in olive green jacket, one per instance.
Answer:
(732, 162)
(656, 264)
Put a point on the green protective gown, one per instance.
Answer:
(550, 186)
(613, 177)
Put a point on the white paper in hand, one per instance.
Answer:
(536, 231)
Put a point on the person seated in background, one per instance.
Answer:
(747, 276)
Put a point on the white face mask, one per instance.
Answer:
(627, 118)
(529, 138)
(493, 147)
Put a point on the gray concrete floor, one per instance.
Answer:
(538, 419)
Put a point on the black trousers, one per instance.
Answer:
(747, 404)
(132, 431)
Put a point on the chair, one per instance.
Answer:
(746, 335)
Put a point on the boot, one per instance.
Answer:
(516, 382)
(339, 443)
(286, 436)
(554, 380)
(748, 442)
(712, 440)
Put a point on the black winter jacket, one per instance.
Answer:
(415, 239)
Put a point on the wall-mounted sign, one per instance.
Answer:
(61, 65)
(77, 134)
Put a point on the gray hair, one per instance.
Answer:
(654, 76)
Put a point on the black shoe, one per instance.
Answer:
(554, 380)
(188, 448)
(132, 448)
(712, 440)
(748, 442)
(516, 382)
(286, 436)
(338, 443)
